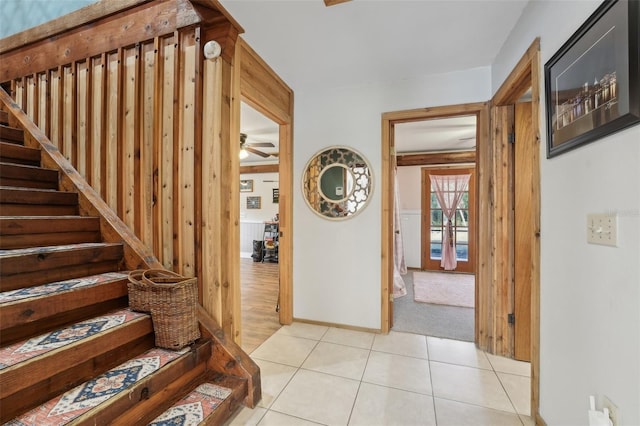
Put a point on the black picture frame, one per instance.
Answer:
(275, 195)
(592, 83)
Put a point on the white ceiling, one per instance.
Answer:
(258, 128)
(311, 47)
(442, 134)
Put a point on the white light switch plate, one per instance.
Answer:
(602, 229)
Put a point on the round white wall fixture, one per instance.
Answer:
(212, 49)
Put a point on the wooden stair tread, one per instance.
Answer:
(28, 231)
(19, 195)
(17, 201)
(132, 383)
(18, 154)
(19, 175)
(26, 305)
(52, 249)
(28, 267)
(11, 134)
(14, 225)
(19, 170)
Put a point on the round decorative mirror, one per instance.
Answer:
(337, 183)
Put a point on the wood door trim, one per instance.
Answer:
(263, 90)
(526, 74)
(389, 119)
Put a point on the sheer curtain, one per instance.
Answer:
(399, 265)
(449, 190)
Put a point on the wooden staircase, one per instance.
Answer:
(71, 352)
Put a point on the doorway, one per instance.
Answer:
(438, 302)
(259, 222)
(389, 158)
(259, 87)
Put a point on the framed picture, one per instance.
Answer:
(592, 84)
(253, 203)
(276, 195)
(246, 185)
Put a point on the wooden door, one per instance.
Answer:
(524, 229)
(433, 223)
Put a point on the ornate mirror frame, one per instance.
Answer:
(337, 183)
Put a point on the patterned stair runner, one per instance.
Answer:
(59, 287)
(78, 401)
(39, 345)
(193, 408)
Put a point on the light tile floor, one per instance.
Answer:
(322, 375)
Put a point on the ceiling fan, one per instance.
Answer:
(332, 2)
(247, 148)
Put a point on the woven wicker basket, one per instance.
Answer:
(172, 301)
(138, 295)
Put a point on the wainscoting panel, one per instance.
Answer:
(410, 220)
(249, 231)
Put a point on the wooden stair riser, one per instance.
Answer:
(50, 239)
(11, 134)
(38, 209)
(35, 202)
(43, 225)
(142, 414)
(18, 154)
(40, 268)
(140, 398)
(31, 279)
(23, 376)
(43, 391)
(27, 176)
(24, 232)
(23, 318)
(17, 333)
(4, 117)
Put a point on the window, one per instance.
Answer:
(460, 227)
(434, 223)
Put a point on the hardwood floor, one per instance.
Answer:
(259, 289)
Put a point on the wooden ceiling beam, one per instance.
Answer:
(436, 158)
(263, 168)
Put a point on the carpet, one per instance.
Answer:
(448, 322)
(443, 288)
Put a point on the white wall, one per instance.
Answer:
(252, 220)
(590, 297)
(336, 265)
(410, 187)
(263, 185)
